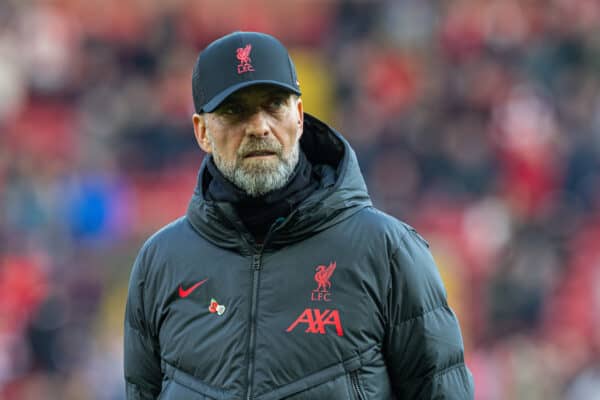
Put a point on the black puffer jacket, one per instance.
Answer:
(341, 302)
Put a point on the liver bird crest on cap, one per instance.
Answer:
(243, 54)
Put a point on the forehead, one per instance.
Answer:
(256, 92)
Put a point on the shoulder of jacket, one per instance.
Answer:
(399, 230)
(167, 232)
(162, 239)
(396, 236)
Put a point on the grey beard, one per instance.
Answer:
(262, 178)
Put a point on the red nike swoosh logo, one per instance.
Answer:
(183, 293)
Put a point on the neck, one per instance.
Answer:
(259, 213)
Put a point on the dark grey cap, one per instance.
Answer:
(239, 60)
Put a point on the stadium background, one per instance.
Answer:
(478, 122)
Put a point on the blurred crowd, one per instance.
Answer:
(476, 121)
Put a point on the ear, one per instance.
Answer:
(300, 110)
(200, 132)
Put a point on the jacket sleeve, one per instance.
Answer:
(424, 348)
(143, 376)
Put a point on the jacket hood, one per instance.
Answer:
(342, 192)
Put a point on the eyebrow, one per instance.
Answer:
(275, 92)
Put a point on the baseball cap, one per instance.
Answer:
(238, 60)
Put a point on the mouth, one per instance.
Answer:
(260, 153)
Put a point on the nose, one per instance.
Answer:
(257, 124)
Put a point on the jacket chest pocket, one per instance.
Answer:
(336, 388)
(346, 386)
(343, 381)
(173, 390)
(179, 385)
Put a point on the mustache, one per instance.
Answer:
(254, 145)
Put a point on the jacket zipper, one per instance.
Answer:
(256, 266)
(356, 385)
(256, 261)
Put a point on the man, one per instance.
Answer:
(282, 281)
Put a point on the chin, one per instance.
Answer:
(261, 165)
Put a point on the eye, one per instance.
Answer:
(230, 109)
(277, 102)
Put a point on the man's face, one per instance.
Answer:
(254, 137)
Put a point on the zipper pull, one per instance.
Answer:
(256, 261)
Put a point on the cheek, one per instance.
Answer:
(293, 132)
(297, 133)
(226, 142)
(231, 148)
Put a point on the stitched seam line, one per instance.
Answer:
(436, 374)
(392, 261)
(422, 315)
(448, 369)
(186, 375)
